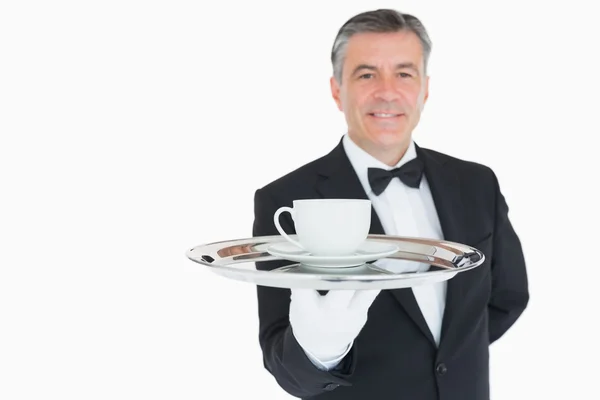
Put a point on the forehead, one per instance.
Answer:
(384, 48)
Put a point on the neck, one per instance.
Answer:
(389, 155)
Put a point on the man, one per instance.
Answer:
(426, 342)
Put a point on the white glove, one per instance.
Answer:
(325, 326)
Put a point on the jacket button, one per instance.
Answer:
(331, 386)
(441, 369)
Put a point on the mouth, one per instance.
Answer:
(383, 115)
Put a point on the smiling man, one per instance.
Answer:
(381, 86)
(427, 342)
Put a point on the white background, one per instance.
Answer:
(132, 131)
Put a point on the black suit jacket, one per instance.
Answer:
(394, 355)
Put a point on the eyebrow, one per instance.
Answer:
(404, 65)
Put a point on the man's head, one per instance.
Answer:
(380, 79)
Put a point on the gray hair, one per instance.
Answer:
(379, 21)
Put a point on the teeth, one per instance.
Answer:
(384, 115)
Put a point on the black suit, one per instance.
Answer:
(395, 356)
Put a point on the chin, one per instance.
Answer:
(388, 138)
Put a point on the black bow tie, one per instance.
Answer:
(410, 174)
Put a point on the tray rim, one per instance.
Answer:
(230, 270)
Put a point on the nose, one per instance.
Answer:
(387, 90)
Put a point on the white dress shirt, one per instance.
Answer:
(403, 211)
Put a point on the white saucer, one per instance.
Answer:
(370, 250)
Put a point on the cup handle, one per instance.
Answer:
(280, 229)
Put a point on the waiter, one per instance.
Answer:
(427, 342)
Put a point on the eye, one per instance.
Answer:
(365, 76)
(405, 75)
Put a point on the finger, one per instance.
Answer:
(364, 298)
(338, 299)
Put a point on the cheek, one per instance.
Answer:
(363, 102)
(410, 92)
(418, 96)
(411, 98)
(354, 103)
(346, 99)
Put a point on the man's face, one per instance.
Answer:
(383, 90)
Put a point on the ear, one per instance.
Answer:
(426, 90)
(335, 92)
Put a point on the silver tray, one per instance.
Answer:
(418, 261)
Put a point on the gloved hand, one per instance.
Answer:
(324, 326)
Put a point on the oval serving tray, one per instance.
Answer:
(418, 261)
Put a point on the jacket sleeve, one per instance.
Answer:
(510, 293)
(282, 355)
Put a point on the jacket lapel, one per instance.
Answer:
(337, 179)
(446, 192)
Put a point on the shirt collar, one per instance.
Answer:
(362, 161)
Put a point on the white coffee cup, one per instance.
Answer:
(328, 227)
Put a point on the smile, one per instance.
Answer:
(384, 115)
